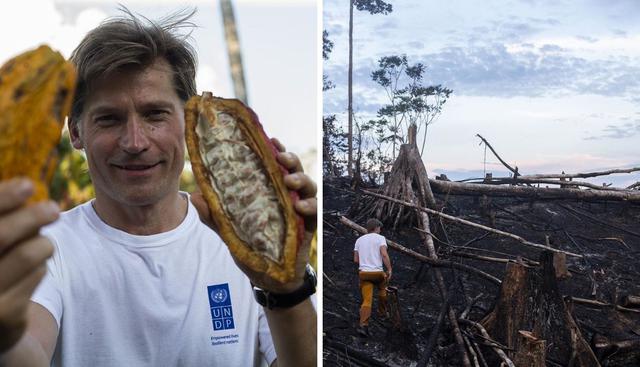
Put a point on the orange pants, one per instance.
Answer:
(369, 279)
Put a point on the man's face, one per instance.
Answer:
(132, 130)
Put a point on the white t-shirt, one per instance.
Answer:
(170, 299)
(368, 247)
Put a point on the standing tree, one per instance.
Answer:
(233, 49)
(332, 134)
(410, 101)
(373, 7)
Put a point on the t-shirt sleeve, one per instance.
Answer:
(355, 248)
(267, 348)
(383, 241)
(49, 292)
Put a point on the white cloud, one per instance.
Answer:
(594, 48)
(27, 24)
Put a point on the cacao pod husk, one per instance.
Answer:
(36, 92)
(235, 166)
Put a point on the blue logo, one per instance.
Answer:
(220, 303)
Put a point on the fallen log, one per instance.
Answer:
(631, 301)
(583, 175)
(521, 180)
(453, 320)
(423, 258)
(626, 352)
(530, 300)
(457, 188)
(472, 224)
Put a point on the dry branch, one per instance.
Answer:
(472, 224)
(435, 331)
(423, 258)
(600, 221)
(596, 303)
(489, 258)
(514, 170)
(352, 355)
(486, 335)
(457, 188)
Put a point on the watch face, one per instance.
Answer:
(312, 275)
(260, 296)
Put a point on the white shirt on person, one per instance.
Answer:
(170, 299)
(368, 247)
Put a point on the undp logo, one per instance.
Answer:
(220, 304)
(219, 295)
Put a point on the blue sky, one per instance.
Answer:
(281, 66)
(553, 85)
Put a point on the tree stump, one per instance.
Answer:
(533, 352)
(408, 181)
(530, 301)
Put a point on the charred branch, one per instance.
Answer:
(514, 170)
(472, 224)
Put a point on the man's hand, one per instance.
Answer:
(23, 255)
(306, 207)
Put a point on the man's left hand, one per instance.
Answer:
(306, 207)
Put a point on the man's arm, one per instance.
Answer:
(294, 334)
(27, 332)
(36, 347)
(356, 258)
(386, 260)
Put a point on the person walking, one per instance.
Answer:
(370, 253)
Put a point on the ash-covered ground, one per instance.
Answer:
(607, 234)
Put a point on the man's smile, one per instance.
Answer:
(136, 169)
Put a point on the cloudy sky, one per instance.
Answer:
(281, 65)
(552, 85)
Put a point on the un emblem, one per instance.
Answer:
(219, 295)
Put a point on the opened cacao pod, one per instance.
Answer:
(235, 165)
(36, 92)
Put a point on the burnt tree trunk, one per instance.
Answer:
(408, 181)
(530, 301)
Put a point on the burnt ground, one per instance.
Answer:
(606, 233)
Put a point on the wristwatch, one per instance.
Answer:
(272, 300)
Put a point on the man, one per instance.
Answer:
(370, 253)
(136, 278)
